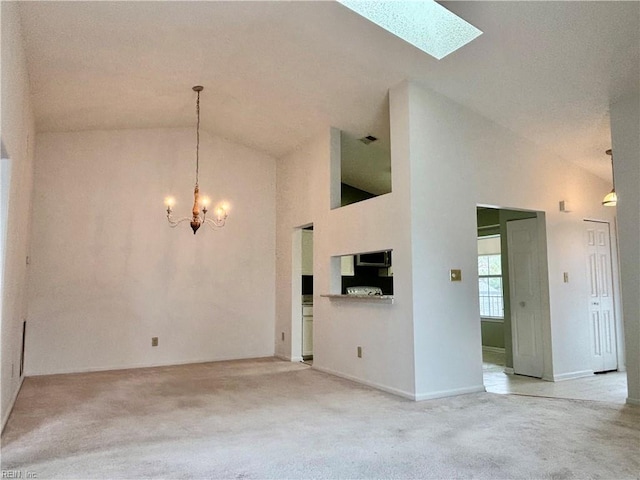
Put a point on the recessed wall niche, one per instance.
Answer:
(364, 162)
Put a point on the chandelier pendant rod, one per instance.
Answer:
(197, 89)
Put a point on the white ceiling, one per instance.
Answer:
(277, 73)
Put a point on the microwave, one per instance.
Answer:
(374, 259)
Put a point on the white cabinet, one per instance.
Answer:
(346, 266)
(307, 252)
(307, 331)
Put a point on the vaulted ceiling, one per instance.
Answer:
(276, 73)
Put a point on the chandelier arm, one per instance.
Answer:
(214, 224)
(174, 223)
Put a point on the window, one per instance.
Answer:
(490, 277)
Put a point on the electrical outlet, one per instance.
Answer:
(11, 369)
(154, 341)
(283, 336)
(359, 352)
(565, 277)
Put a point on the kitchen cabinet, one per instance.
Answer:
(307, 331)
(346, 266)
(307, 252)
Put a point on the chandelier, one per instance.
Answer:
(611, 198)
(200, 204)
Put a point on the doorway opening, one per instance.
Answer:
(495, 284)
(513, 295)
(515, 315)
(301, 336)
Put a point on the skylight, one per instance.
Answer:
(422, 23)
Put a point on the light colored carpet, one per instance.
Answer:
(271, 419)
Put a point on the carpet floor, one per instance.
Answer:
(266, 418)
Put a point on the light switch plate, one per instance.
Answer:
(564, 206)
(566, 277)
(455, 275)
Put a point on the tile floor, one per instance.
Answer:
(607, 387)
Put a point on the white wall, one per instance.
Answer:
(464, 160)
(17, 138)
(625, 133)
(383, 331)
(299, 193)
(107, 272)
(448, 341)
(445, 161)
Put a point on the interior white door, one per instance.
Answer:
(601, 312)
(526, 304)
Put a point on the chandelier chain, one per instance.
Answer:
(197, 137)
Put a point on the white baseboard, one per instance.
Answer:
(572, 375)
(492, 349)
(286, 358)
(143, 365)
(633, 401)
(14, 397)
(401, 393)
(384, 388)
(508, 370)
(449, 393)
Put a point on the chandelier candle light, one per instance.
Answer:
(200, 204)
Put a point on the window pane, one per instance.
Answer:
(495, 265)
(483, 265)
(483, 286)
(496, 307)
(490, 285)
(484, 307)
(495, 286)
